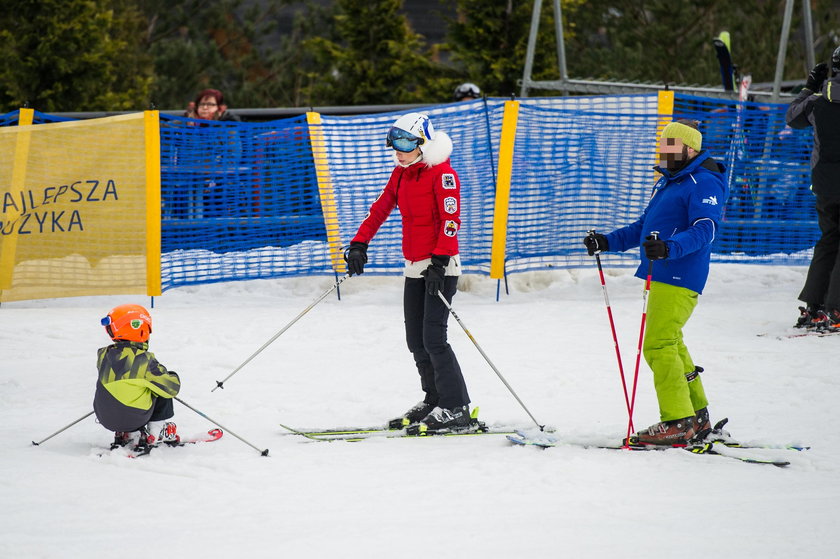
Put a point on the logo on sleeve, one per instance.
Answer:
(450, 228)
(711, 200)
(450, 204)
(448, 181)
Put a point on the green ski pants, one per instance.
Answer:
(669, 308)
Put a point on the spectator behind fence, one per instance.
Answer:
(818, 105)
(215, 197)
(209, 104)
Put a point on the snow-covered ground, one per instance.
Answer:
(345, 363)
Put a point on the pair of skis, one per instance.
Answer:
(717, 443)
(208, 437)
(355, 434)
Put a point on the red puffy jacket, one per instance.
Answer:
(429, 199)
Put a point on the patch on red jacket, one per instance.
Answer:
(448, 181)
(450, 204)
(450, 228)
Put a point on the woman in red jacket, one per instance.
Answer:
(427, 192)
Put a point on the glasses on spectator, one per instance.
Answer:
(207, 105)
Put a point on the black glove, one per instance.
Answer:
(596, 243)
(435, 273)
(817, 76)
(655, 249)
(356, 256)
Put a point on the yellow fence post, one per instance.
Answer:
(325, 189)
(501, 207)
(665, 110)
(153, 206)
(21, 161)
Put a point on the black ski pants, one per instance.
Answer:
(425, 332)
(822, 285)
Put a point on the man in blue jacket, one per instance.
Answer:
(685, 209)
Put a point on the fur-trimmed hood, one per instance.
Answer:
(435, 151)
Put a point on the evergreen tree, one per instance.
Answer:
(373, 57)
(72, 55)
(196, 44)
(489, 42)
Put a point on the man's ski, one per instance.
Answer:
(711, 448)
(209, 436)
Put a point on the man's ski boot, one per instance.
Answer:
(417, 412)
(832, 321)
(806, 315)
(702, 425)
(677, 432)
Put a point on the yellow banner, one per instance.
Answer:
(73, 218)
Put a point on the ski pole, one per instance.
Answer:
(88, 414)
(220, 383)
(492, 366)
(654, 235)
(614, 335)
(223, 428)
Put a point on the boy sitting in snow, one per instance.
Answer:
(134, 391)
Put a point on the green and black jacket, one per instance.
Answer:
(130, 378)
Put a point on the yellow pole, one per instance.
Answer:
(152, 140)
(325, 189)
(665, 110)
(505, 172)
(9, 244)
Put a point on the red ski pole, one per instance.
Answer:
(653, 235)
(614, 336)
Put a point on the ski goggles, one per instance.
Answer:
(403, 141)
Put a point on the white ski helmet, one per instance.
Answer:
(409, 132)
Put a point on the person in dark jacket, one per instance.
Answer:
(134, 391)
(685, 211)
(428, 193)
(818, 105)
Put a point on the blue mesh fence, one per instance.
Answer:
(360, 164)
(241, 200)
(579, 163)
(770, 214)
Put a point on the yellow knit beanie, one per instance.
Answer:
(689, 136)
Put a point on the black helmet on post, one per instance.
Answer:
(466, 91)
(835, 62)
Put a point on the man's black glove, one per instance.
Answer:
(655, 249)
(356, 257)
(435, 274)
(596, 243)
(817, 76)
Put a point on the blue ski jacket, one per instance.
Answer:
(686, 210)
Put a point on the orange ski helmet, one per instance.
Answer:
(131, 323)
